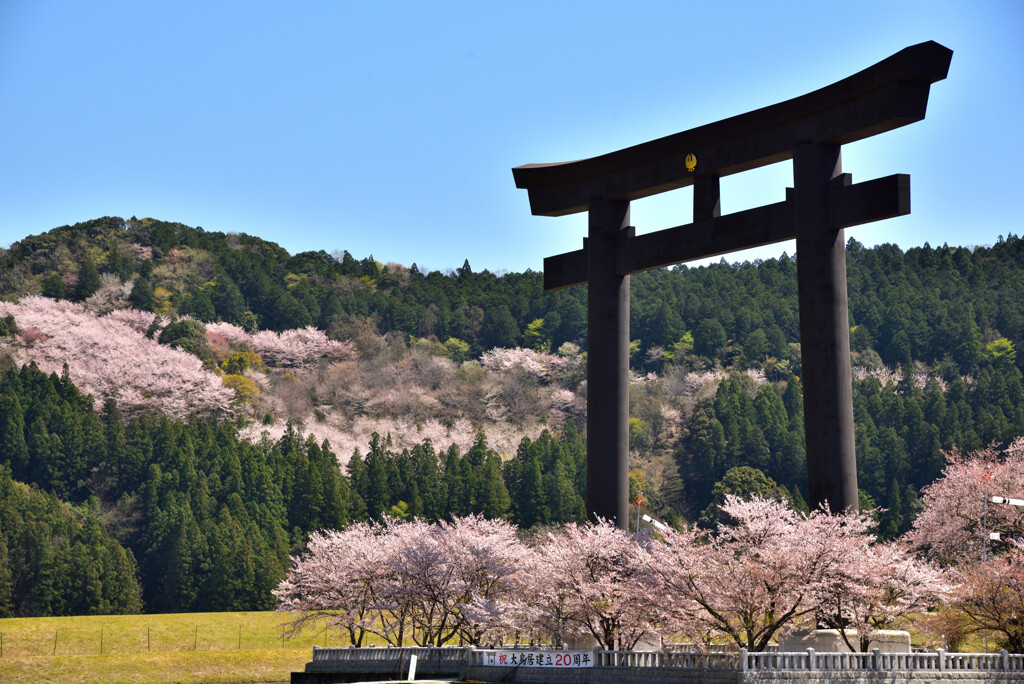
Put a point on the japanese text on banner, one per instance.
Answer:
(502, 658)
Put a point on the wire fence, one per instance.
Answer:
(21, 638)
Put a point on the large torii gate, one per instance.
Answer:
(810, 130)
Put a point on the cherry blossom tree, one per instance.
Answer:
(471, 579)
(437, 571)
(877, 586)
(513, 614)
(111, 294)
(537, 364)
(774, 570)
(108, 358)
(300, 348)
(339, 579)
(489, 568)
(757, 576)
(430, 582)
(140, 321)
(887, 376)
(597, 579)
(949, 529)
(769, 571)
(991, 596)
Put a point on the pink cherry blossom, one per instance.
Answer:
(339, 578)
(991, 597)
(595, 579)
(535, 363)
(878, 586)
(108, 358)
(135, 319)
(431, 583)
(289, 349)
(949, 529)
(754, 578)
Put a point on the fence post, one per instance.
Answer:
(811, 665)
(1003, 659)
(55, 641)
(743, 660)
(941, 652)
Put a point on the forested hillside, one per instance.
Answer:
(208, 400)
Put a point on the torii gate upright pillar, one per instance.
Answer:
(607, 363)
(824, 330)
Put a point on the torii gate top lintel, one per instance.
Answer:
(887, 95)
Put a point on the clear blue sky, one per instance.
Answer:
(391, 127)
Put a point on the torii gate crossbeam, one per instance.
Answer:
(810, 130)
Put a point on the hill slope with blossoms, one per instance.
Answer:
(344, 348)
(108, 358)
(298, 376)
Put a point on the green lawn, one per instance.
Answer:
(185, 647)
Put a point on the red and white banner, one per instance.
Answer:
(522, 658)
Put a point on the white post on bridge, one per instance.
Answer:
(1003, 536)
(660, 526)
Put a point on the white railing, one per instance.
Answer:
(453, 657)
(1002, 661)
(810, 660)
(688, 660)
(711, 648)
(444, 656)
(876, 660)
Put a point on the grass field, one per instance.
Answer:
(161, 649)
(186, 647)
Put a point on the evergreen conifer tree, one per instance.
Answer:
(88, 280)
(14, 452)
(6, 581)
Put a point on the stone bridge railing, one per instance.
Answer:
(664, 667)
(938, 661)
(452, 657)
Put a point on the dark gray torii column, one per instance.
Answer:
(810, 130)
(824, 330)
(608, 360)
